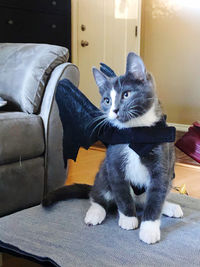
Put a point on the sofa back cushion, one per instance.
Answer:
(25, 70)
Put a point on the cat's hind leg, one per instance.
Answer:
(100, 196)
(172, 210)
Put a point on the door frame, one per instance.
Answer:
(74, 29)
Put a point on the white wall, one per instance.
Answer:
(170, 47)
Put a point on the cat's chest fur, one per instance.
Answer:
(135, 171)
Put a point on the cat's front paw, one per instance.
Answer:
(150, 231)
(172, 210)
(127, 223)
(95, 215)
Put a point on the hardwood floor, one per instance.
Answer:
(13, 261)
(86, 167)
(190, 176)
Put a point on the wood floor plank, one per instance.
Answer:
(85, 168)
(190, 176)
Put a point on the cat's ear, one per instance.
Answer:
(136, 66)
(99, 77)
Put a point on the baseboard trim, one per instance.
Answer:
(188, 165)
(179, 127)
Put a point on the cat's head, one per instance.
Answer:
(129, 100)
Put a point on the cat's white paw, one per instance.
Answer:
(127, 223)
(172, 210)
(95, 215)
(150, 231)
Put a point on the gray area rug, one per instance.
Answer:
(60, 234)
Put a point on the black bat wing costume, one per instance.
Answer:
(81, 122)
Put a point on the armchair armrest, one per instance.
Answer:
(55, 173)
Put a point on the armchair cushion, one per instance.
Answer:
(21, 136)
(24, 72)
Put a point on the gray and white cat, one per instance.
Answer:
(130, 101)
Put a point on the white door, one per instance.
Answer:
(103, 31)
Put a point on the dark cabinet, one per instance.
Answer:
(36, 21)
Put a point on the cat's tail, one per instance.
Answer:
(67, 192)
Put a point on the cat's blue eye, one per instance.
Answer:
(126, 94)
(106, 100)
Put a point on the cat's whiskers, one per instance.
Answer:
(104, 123)
(100, 125)
(129, 114)
(103, 116)
(151, 97)
(135, 113)
(132, 111)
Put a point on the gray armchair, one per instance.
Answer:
(31, 159)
